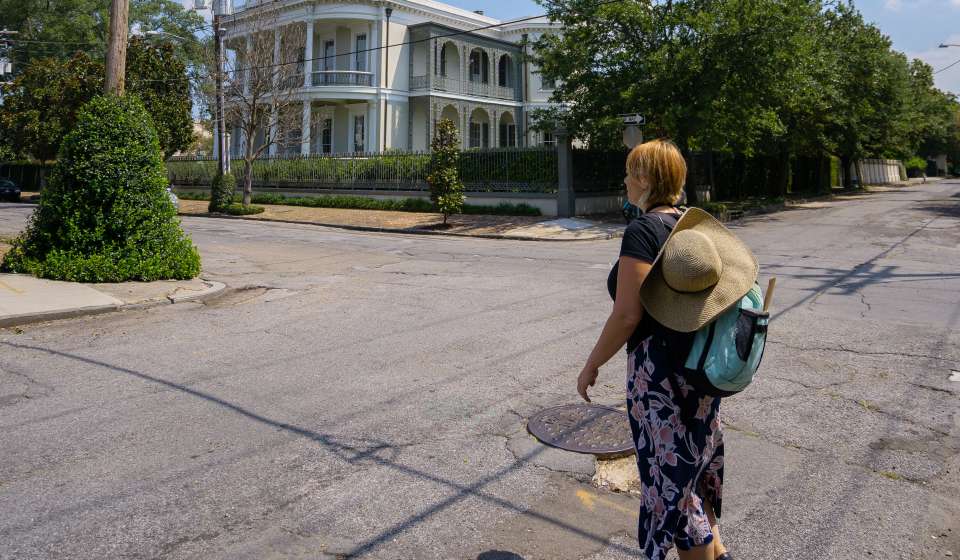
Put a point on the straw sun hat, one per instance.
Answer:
(701, 271)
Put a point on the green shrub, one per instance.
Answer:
(193, 196)
(718, 209)
(222, 192)
(105, 215)
(237, 209)
(446, 188)
(915, 166)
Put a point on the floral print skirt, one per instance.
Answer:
(679, 445)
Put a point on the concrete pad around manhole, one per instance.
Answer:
(618, 475)
(527, 448)
(26, 296)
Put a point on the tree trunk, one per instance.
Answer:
(117, 48)
(845, 173)
(739, 170)
(781, 175)
(247, 181)
(824, 183)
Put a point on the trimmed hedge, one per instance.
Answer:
(364, 203)
(105, 215)
(238, 209)
(222, 192)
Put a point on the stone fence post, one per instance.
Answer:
(566, 198)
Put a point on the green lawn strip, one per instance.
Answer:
(364, 203)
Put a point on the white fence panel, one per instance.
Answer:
(879, 171)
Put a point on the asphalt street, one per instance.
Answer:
(363, 395)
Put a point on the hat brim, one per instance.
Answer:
(689, 311)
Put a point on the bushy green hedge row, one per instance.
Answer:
(364, 203)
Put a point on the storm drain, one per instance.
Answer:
(584, 428)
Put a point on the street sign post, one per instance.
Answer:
(632, 136)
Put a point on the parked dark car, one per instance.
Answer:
(9, 190)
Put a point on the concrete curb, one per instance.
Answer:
(213, 289)
(412, 231)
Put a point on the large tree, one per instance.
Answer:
(777, 78)
(58, 29)
(41, 104)
(262, 80)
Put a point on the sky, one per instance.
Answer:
(915, 26)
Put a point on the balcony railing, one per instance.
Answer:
(489, 90)
(342, 78)
(451, 85)
(419, 82)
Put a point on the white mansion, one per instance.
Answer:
(434, 62)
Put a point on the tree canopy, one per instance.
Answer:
(41, 104)
(47, 29)
(753, 77)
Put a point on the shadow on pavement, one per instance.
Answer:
(499, 555)
(357, 455)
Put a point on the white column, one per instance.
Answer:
(465, 127)
(370, 45)
(276, 57)
(305, 130)
(308, 56)
(495, 130)
(373, 126)
(377, 56)
(245, 65)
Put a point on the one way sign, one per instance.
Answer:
(634, 118)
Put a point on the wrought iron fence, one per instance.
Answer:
(529, 170)
(28, 175)
(726, 176)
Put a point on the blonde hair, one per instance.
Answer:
(665, 168)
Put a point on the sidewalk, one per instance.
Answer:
(25, 299)
(500, 227)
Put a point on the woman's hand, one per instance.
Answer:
(587, 378)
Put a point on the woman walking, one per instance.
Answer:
(658, 303)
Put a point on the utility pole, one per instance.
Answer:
(117, 48)
(223, 155)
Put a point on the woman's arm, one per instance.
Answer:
(623, 320)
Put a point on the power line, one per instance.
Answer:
(384, 47)
(949, 66)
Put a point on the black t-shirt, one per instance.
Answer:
(642, 240)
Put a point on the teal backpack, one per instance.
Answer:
(726, 352)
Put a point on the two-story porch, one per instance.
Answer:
(338, 90)
(472, 80)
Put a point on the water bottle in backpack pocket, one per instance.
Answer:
(727, 351)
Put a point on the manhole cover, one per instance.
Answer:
(584, 428)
